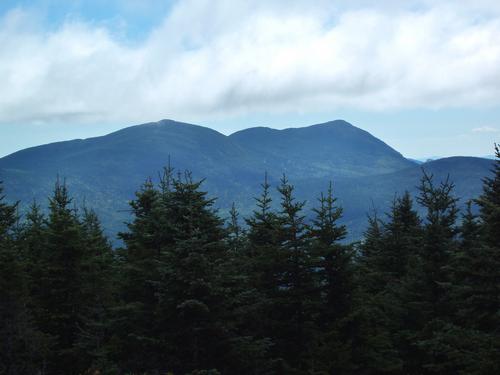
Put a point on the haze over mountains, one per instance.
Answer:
(105, 171)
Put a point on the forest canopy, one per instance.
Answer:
(190, 292)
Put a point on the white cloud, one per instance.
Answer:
(215, 58)
(486, 129)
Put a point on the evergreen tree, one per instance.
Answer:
(22, 346)
(34, 243)
(60, 300)
(249, 353)
(424, 291)
(235, 233)
(180, 312)
(472, 337)
(334, 272)
(439, 231)
(334, 267)
(402, 235)
(470, 348)
(97, 290)
(371, 324)
(265, 267)
(486, 305)
(191, 293)
(489, 204)
(298, 293)
(136, 345)
(370, 258)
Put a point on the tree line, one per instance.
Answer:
(191, 293)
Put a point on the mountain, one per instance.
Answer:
(379, 191)
(105, 171)
(335, 147)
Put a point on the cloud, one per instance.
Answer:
(225, 57)
(485, 129)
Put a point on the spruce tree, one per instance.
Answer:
(371, 325)
(136, 345)
(489, 204)
(264, 268)
(97, 290)
(334, 271)
(334, 260)
(191, 295)
(34, 243)
(424, 291)
(369, 256)
(249, 352)
(473, 336)
(60, 284)
(22, 346)
(402, 238)
(487, 301)
(298, 292)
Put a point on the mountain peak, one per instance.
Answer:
(168, 121)
(334, 123)
(108, 169)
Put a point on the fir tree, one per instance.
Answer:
(298, 293)
(402, 235)
(22, 345)
(371, 323)
(191, 296)
(489, 204)
(334, 272)
(136, 345)
(424, 290)
(97, 290)
(264, 267)
(473, 335)
(60, 283)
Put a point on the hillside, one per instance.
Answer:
(105, 171)
(335, 148)
(360, 195)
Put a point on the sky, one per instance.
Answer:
(422, 75)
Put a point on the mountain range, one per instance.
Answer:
(103, 172)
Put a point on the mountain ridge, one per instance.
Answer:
(105, 171)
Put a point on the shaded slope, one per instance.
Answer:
(334, 148)
(358, 196)
(105, 171)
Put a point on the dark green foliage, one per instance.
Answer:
(332, 260)
(191, 294)
(96, 288)
(475, 286)
(298, 293)
(426, 304)
(61, 295)
(333, 271)
(135, 340)
(21, 345)
(489, 203)
(62, 266)
(190, 298)
(107, 170)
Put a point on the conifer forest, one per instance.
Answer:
(188, 291)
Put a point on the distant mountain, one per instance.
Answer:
(426, 159)
(105, 171)
(335, 147)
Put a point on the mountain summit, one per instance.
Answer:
(331, 149)
(105, 171)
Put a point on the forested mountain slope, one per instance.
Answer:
(105, 171)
